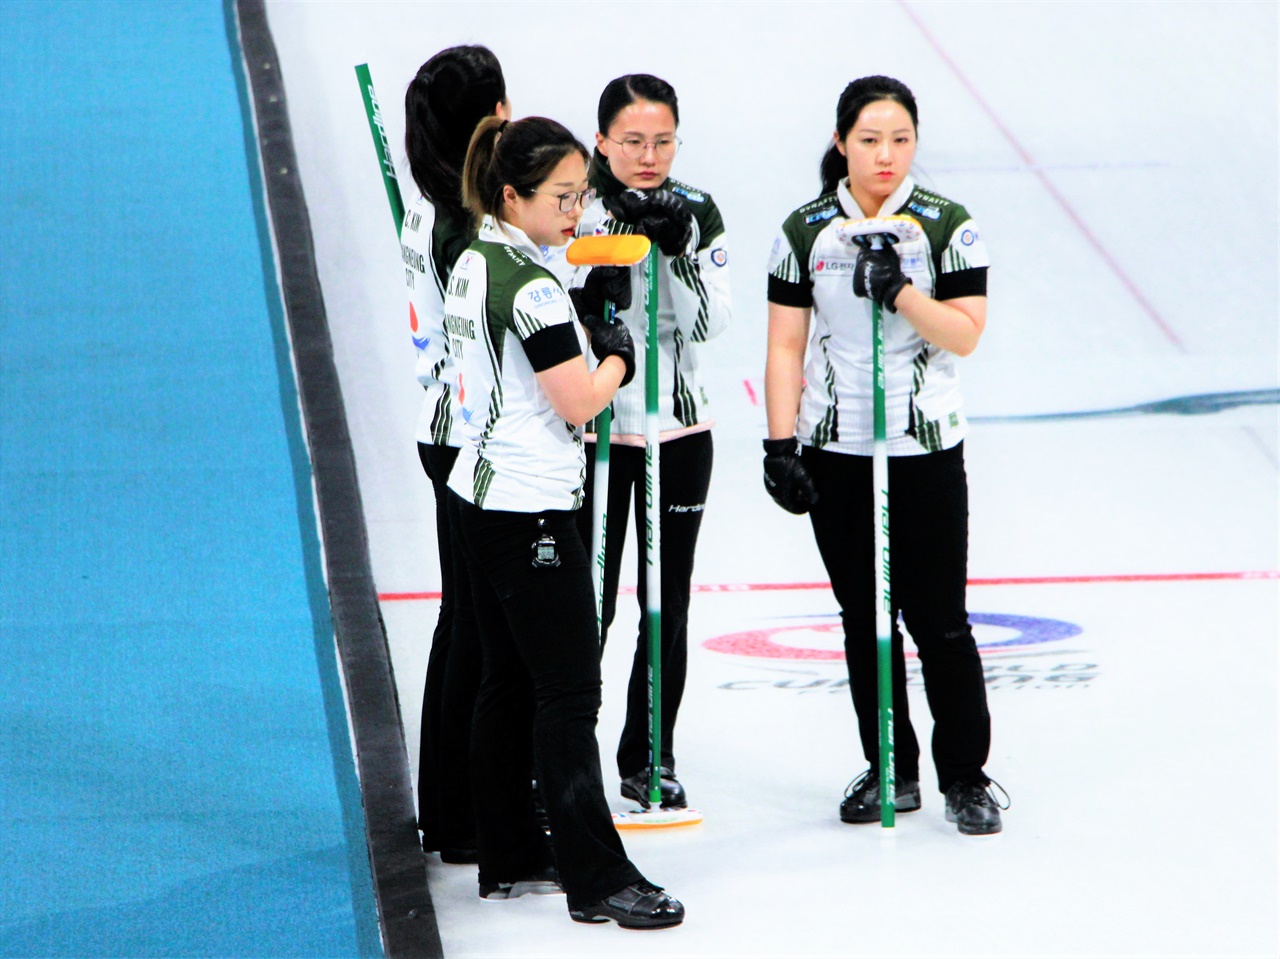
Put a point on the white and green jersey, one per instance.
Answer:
(693, 306)
(811, 267)
(508, 319)
(430, 243)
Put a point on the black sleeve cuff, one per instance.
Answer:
(551, 346)
(952, 286)
(789, 294)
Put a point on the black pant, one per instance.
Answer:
(928, 550)
(540, 687)
(453, 679)
(684, 475)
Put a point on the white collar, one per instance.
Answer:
(892, 204)
(509, 235)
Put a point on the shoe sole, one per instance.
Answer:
(984, 829)
(595, 917)
(645, 802)
(528, 888)
(875, 816)
(460, 857)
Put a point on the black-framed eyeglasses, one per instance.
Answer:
(569, 200)
(633, 148)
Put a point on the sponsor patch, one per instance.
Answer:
(540, 295)
(931, 212)
(968, 237)
(821, 215)
(912, 263)
(693, 195)
(828, 266)
(720, 256)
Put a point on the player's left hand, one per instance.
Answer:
(658, 214)
(612, 283)
(878, 276)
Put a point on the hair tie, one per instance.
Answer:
(498, 135)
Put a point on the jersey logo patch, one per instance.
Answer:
(829, 266)
(719, 256)
(693, 195)
(544, 294)
(932, 212)
(913, 262)
(821, 215)
(968, 237)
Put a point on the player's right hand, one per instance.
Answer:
(611, 339)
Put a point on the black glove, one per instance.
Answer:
(658, 214)
(878, 276)
(612, 283)
(786, 478)
(611, 339)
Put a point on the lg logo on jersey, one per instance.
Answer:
(828, 267)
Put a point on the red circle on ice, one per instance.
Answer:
(763, 644)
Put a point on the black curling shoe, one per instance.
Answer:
(545, 882)
(638, 906)
(973, 808)
(460, 855)
(862, 797)
(636, 788)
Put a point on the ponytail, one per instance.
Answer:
(478, 195)
(450, 94)
(520, 154)
(857, 95)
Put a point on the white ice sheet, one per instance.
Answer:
(1121, 160)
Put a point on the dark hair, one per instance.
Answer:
(621, 93)
(452, 92)
(520, 154)
(856, 96)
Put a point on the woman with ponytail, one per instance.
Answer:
(818, 455)
(452, 92)
(524, 391)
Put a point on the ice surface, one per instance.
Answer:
(1104, 149)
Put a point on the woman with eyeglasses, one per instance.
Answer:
(451, 93)
(524, 391)
(818, 458)
(636, 144)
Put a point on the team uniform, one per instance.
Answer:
(431, 240)
(518, 481)
(811, 268)
(693, 307)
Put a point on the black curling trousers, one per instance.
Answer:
(684, 476)
(452, 681)
(540, 687)
(928, 550)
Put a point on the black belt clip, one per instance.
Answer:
(545, 555)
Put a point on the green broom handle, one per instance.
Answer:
(884, 607)
(653, 545)
(380, 145)
(600, 494)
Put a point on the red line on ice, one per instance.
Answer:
(1047, 183)
(976, 581)
(751, 393)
